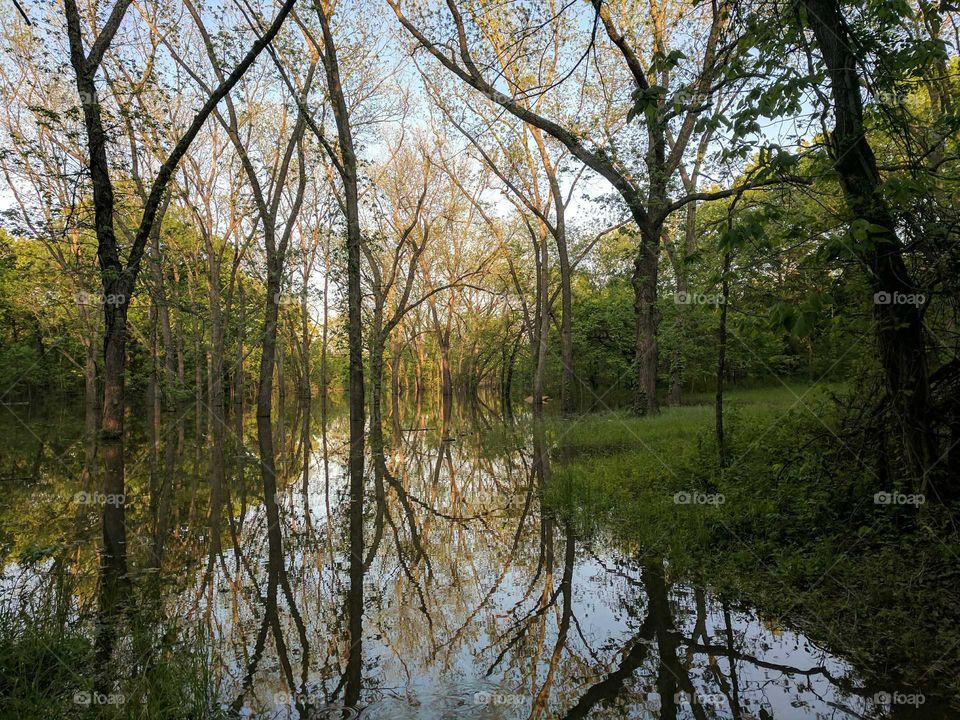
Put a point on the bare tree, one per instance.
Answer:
(648, 196)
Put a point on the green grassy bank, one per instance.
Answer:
(791, 525)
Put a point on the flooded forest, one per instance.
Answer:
(498, 360)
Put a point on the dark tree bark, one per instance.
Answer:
(346, 162)
(119, 280)
(722, 361)
(899, 326)
(644, 282)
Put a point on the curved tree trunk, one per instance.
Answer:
(899, 326)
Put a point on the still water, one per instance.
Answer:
(450, 592)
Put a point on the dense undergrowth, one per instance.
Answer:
(791, 525)
(48, 662)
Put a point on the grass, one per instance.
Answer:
(790, 525)
(48, 670)
(620, 429)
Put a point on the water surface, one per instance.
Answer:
(465, 598)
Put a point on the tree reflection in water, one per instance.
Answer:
(436, 587)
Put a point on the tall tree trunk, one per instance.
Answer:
(305, 333)
(722, 361)
(899, 326)
(681, 253)
(348, 174)
(446, 377)
(396, 370)
(178, 344)
(568, 401)
(281, 380)
(91, 401)
(418, 363)
(508, 378)
(199, 364)
(326, 323)
(163, 312)
(376, 389)
(644, 282)
(543, 323)
(268, 349)
(238, 375)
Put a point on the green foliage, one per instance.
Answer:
(47, 672)
(798, 529)
(35, 337)
(603, 334)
